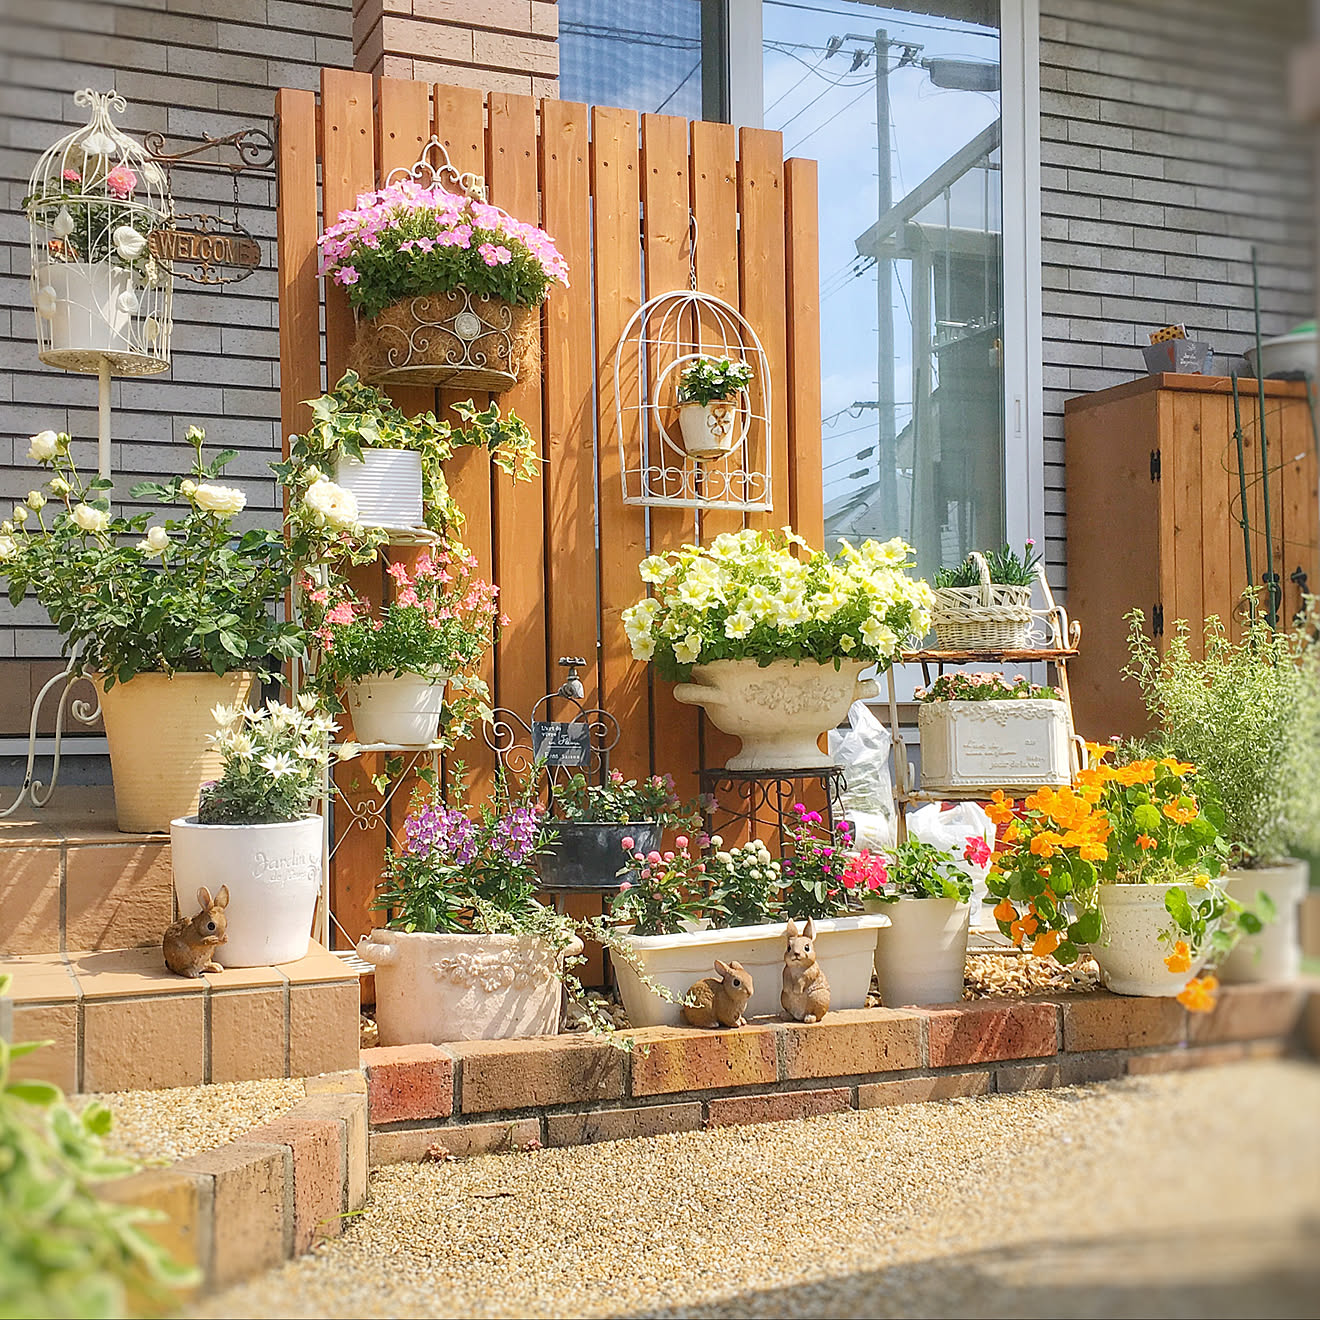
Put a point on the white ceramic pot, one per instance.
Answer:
(94, 306)
(436, 988)
(1288, 356)
(399, 709)
(709, 430)
(922, 955)
(845, 950)
(274, 878)
(779, 710)
(387, 485)
(984, 745)
(1129, 951)
(1276, 953)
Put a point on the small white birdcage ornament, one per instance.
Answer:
(100, 294)
(709, 454)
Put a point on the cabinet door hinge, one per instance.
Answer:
(1157, 620)
(1154, 464)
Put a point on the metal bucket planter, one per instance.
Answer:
(587, 855)
(387, 485)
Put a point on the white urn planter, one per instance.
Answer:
(984, 745)
(436, 988)
(387, 484)
(779, 710)
(921, 957)
(1129, 951)
(90, 306)
(1276, 953)
(709, 430)
(397, 709)
(274, 876)
(845, 950)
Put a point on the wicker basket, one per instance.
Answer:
(987, 617)
(456, 340)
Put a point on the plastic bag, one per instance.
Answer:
(868, 799)
(950, 831)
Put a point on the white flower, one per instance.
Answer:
(157, 538)
(47, 300)
(724, 857)
(224, 715)
(222, 500)
(337, 506)
(128, 302)
(312, 473)
(36, 501)
(8, 548)
(90, 519)
(63, 225)
(43, 446)
(307, 700)
(717, 841)
(881, 638)
(346, 751)
(129, 243)
(847, 643)
(187, 488)
(688, 650)
(58, 486)
(655, 569)
(308, 752)
(278, 765)
(643, 648)
(241, 745)
(143, 547)
(20, 514)
(738, 625)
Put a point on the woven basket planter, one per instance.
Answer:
(986, 617)
(457, 339)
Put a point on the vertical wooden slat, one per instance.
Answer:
(665, 232)
(805, 473)
(1168, 591)
(761, 273)
(521, 671)
(1187, 543)
(570, 398)
(615, 190)
(1299, 506)
(1216, 527)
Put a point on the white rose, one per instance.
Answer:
(157, 538)
(8, 548)
(58, 486)
(333, 503)
(224, 500)
(90, 519)
(20, 514)
(129, 243)
(43, 446)
(36, 501)
(188, 488)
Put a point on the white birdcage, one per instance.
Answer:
(99, 292)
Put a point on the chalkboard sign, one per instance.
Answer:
(558, 743)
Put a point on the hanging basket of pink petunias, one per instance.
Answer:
(445, 288)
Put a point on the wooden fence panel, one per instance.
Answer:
(804, 470)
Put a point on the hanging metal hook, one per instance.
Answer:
(692, 251)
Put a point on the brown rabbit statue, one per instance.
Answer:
(189, 943)
(719, 1001)
(806, 993)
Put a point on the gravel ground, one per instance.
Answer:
(1177, 1195)
(162, 1126)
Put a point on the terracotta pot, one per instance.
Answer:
(157, 726)
(1276, 953)
(1129, 950)
(922, 955)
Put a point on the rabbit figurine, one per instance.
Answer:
(719, 1001)
(189, 942)
(806, 993)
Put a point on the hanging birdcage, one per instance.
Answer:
(100, 294)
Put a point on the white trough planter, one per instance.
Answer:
(984, 745)
(387, 485)
(845, 950)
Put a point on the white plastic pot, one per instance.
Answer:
(709, 430)
(274, 877)
(94, 306)
(436, 988)
(984, 745)
(399, 709)
(387, 485)
(779, 710)
(845, 950)
(1276, 953)
(1129, 951)
(922, 956)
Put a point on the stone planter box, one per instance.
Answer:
(979, 746)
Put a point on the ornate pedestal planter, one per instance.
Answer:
(398, 709)
(779, 710)
(588, 855)
(438, 988)
(845, 949)
(387, 485)
(1275, 954)
(983, 745)
(274, 876)
(1129, 950)
(921, 957)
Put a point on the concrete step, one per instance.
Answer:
(120, 1022)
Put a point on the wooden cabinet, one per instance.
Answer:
(1153, 515)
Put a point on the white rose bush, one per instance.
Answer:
(768, 596)
(149, 593)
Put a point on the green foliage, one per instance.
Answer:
(93, 219)
(709, 379)
(618, 800)
(63, 1251)
(984, 687)
(920, 870)
(1007, 569)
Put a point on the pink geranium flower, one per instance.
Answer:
(977, 850)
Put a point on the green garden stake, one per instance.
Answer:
(1271, 578)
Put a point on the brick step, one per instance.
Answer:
(120, 1022)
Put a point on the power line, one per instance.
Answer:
(830, 120)
(679, 88)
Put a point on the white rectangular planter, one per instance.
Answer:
(984, 745)
(845, 949)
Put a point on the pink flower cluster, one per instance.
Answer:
(121, 181)
(867, 870)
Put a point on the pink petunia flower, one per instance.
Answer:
(347, 275)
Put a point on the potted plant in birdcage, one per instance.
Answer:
(168, 616)
(445, 288)
(920, 956)
(708, 393)
(402, 667)
(256, 830)
(364, 468)
(775, 636)
(983, 731)
(1247, 712)
(984, 604)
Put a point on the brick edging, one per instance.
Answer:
(483, 1096)
(266, 1196)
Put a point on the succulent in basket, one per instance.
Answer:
(1007, 568)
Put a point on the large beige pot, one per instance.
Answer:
(1276, 953)
(157, 726)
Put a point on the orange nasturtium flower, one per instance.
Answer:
(1046, 943)
(1179, 814)
(1180, 960)
(1046, 843)
(1023, 927)
(1198, 995)
(1145, 841)
(1005, 911)
(1177, 767)
(999, 808)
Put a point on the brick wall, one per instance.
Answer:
(1166, 152)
